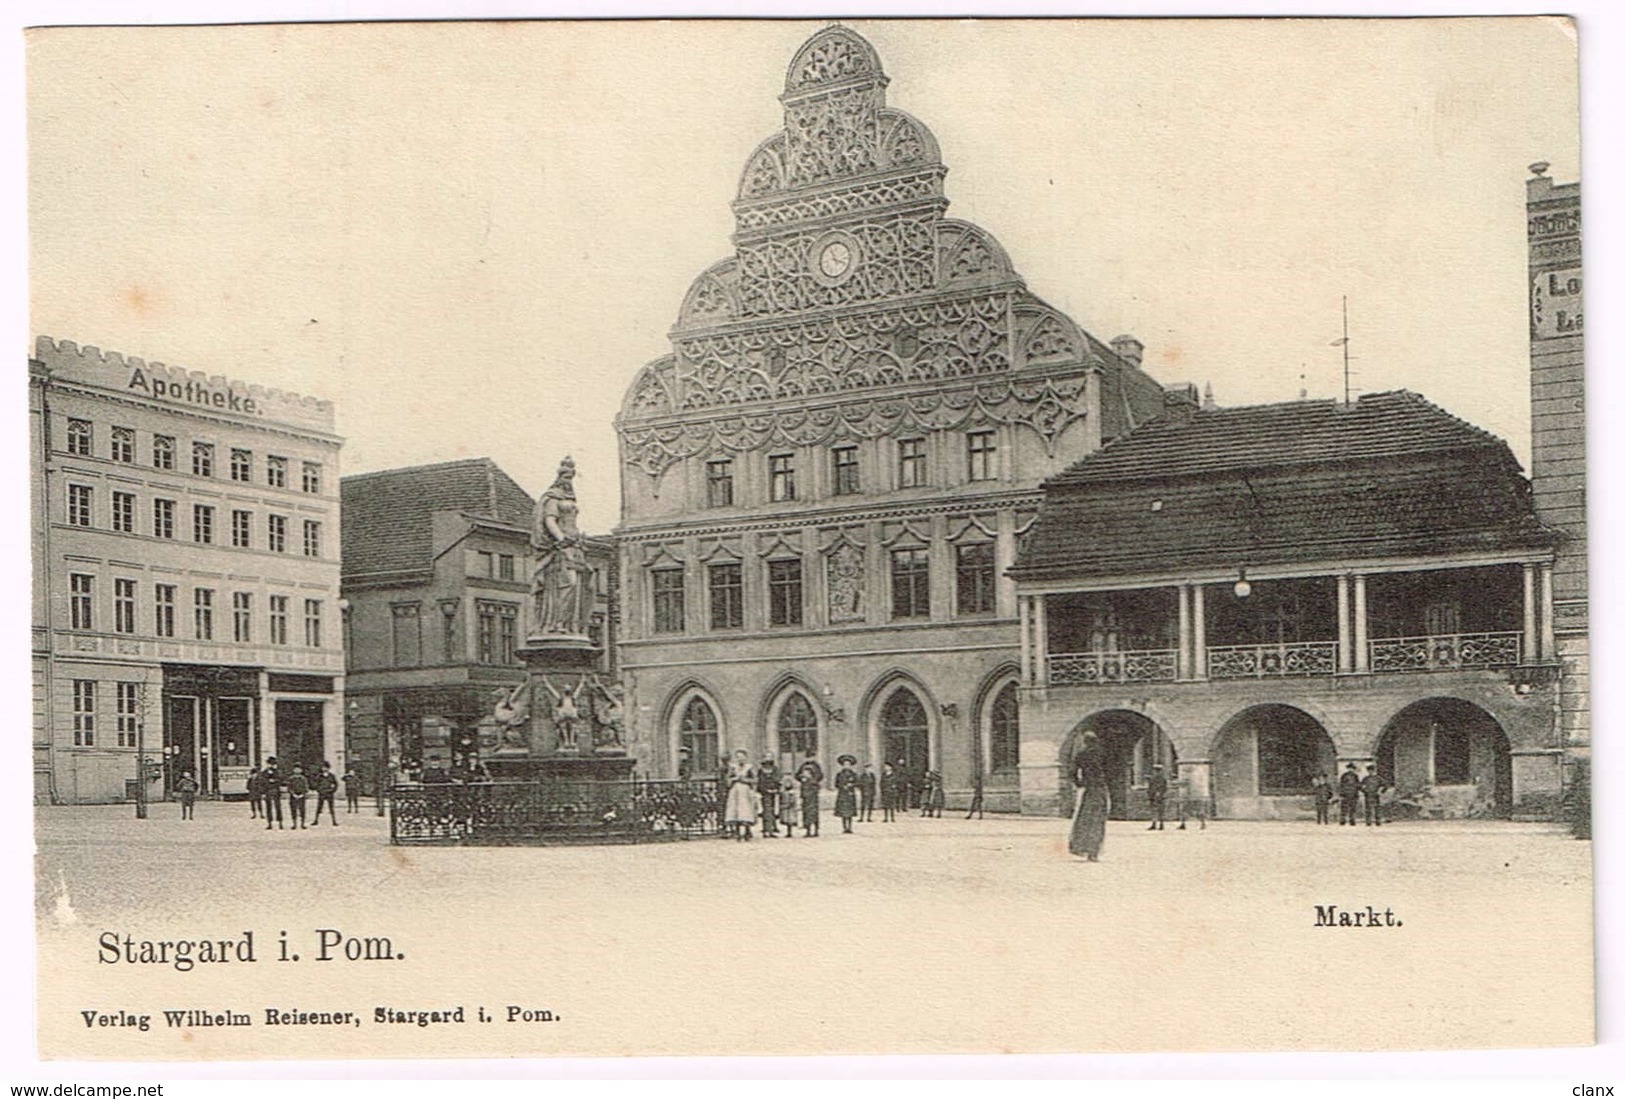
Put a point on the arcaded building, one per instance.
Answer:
(823, 482)
(1254, 596)
(186, 576)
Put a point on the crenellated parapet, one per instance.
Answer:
(179, 388)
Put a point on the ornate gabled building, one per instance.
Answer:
(825, 479)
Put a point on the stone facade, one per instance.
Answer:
(186, 550)
(437, 582)
(825, 479)
(1557, 391)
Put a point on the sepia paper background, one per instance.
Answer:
(471, 236)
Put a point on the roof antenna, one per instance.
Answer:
(1344, 344)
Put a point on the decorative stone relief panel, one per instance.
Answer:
(845, 572)
(894, 256)
(1046, 406)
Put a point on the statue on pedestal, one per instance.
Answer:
(562, 584)
(608, 715)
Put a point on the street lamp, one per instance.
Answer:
(1243, 589)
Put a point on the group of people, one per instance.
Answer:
(764, 793)
(267, 784)
(1351, 792)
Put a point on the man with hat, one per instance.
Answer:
(868, 786)
(271, 788)
(1348, 795)
(846, 791)
(810, 777)
(768, 780)
(1156, 789)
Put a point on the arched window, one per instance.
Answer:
(699, 736)
(798, 726)
(1004, 731)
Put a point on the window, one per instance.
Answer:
(727, 596)
(668, 600)
(974, 576)
(719, 483)
(240, 525)
(905, 734)
(276, 471)
(242, 616)
(84, 713)
(498, 632)
(276, 533)
(242, 464)
(310, 477)
(203, 614)
(1004, 731)
(203, 459)
(279, 620)
(163, 610)
(505, 566)
(1452, 757)
(79, 505)
(313, 623)
(203, 524)
(910, 463)
(163, 452)
(123, 605)
(487, 563)
(846, 470)
(129, 712)
(163, 518)
(798, 726)
(81, 600)
(124, 512)
(781, 477)
(80, 437)
(124, 445)
(910, 584)
(981, 456)
(698, 737)
(313, 538)
(406, 635)
(784, 592)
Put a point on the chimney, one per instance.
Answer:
(1129, 349)
(1208, 404)
(1180, 402)
(1539, 185)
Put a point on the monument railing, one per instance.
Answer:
(554, 810)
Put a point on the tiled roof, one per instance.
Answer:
(1390, 475)
(387, 526)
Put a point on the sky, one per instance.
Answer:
(471, 236)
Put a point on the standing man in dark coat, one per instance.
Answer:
(1371, 792)
(810, 777)
(271, 786)
(1156, 788)
(768, 780)
(1348, 796)
(327, 785)
(187, 789)
(256, 793)
(1323, 799)
(867, 788)
(889, 783)
(298, 789)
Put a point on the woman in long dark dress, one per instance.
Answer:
(846, 792)
(1089, 776)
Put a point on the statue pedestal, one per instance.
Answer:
(561, 746)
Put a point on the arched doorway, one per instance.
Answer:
(797, 726)
(1446, 758)
(698, 739)
(1133, 745)
(1265, 760)
(905, 738)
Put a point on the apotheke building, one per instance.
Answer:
(186, 576)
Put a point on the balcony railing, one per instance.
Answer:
(1133, 666)
(1443, 652)
(1267, 661)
